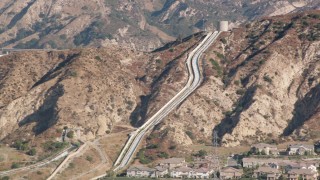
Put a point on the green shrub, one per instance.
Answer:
(70, 134)
(142, 158)
(21, 145)
(202, 153)
(237, 82)
(223, 40)
(190, 134)
(71, 165)
(63, 37)
(216, 66)
(163, 155)
(240, 91)
(98, 58)
(54, 146)
(73, 73)
(153, 146)
(32, 152)
(89, 158)
(5, 178)
(15, 165)
(267, 79)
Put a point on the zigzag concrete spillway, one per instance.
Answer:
(193, 82)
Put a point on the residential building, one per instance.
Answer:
(232, 161)
(230, 173)
(300, 149)
(305, 174)
(278, 163)
(201, 163)
(255, 162)
(267, 172)
(181, 172)
(201, 173)
(141, 171)
(267, 149)
(173, 162)
(161, 171)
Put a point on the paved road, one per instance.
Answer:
(39, 164)
(193, 82)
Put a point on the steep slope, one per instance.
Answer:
(88, 90)
(143, 24)
(261, 83)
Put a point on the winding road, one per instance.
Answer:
(192, 84)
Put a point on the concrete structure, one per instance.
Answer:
(224, 26)
(267, 172)
(141, 171)
(305, 174)
(263, 148)
(300, 149)
(230, 173)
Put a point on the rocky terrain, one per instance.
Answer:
(261, 83)
(88, 90)
(143, 24)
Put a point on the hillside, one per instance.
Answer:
(261, 84)
(139, 24)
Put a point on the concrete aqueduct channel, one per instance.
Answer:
(192, 84)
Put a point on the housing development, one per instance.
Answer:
(263, 161)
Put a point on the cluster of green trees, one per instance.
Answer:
(52, 146)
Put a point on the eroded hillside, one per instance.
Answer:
(143, 24)
(261, 83)
(89, 90)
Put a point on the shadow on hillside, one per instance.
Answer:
(303, 110)
(232, 119)
(47, 114)
(54, 72)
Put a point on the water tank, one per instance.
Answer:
(224, 26)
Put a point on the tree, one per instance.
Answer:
(89, 158)
(70, 134)
(202, 153)
(263, 152)
(5, 178)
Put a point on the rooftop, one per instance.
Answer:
(308, 146)
(140, 168)
(183, 169)
(302, 171)
(264, 145)
(231, 169)
(172, 161)
(266, 169)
